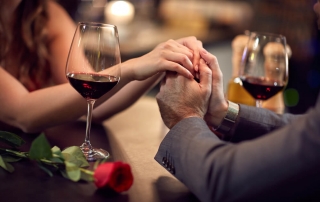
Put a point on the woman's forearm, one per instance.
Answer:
(124, 98)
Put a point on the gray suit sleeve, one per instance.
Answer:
(282, 165)
(254, 122)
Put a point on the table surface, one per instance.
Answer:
(132, 136)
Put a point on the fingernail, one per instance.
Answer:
(204, 51)
(196, 68)
(197, 75)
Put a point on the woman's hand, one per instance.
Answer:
(171, 55)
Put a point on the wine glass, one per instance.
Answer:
(93, 69)
(264, 65)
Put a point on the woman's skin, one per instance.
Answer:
(60, 103)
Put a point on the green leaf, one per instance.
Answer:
(57, 155)
(9, 158)
(73, 171)
(40, 148)
(7, 166)
(13, 153)
(56, 160)
(11, 139)
(46, 170)
(56, 150)
(74, 155)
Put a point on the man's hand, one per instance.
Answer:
(181, 98)
(218, 105)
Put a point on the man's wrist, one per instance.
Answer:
(229, 120)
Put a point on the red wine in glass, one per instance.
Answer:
(260, 88)
(90, 85)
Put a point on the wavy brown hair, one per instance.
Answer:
(24, 43)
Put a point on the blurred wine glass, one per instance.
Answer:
(93, 69)
(264, 65)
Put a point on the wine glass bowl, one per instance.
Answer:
(264, 65)
(93, 69)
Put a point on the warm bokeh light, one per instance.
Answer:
(119, 12)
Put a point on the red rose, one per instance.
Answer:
(113, 175)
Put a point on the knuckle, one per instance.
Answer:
(184, 59)
(207, 72)
(174, 66)
(192, 38)
(170, 41)
(168, 44)
(220, 74)
(162, 54)
(189, 54)
(213, 57)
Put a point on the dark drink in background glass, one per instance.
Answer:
(261, 88)
(264, 65)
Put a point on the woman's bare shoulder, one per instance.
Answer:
(56, 10)
(59, 19)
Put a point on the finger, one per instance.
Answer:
(213, 63)
(185, 50)
(174, 46)
(195, 45)
(196, 59)
(205, 75)
(179, 63)
(210, 59)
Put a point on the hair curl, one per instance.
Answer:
(24, 45)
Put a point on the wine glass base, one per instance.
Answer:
(95, 154)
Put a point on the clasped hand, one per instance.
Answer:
(181, 97)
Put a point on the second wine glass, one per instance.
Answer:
(264, 65)
(93, 69)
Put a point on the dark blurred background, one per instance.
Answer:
(143, 24)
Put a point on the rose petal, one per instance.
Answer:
(102, 174)
(114, 175)
(122, 178)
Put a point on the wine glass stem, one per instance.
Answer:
(88, 127)
(259, 103)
